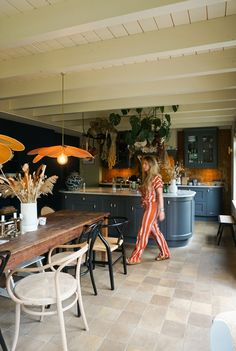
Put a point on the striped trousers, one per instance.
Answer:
(149, 227)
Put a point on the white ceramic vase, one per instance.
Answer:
(173, 187)
(29, 216)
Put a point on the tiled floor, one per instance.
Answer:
(158, 306)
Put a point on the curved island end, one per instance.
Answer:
(179, 209)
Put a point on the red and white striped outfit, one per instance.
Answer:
(149, 224)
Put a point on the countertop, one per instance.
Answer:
(125, 192)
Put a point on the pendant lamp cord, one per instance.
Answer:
(62, 109)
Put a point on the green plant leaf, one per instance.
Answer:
(156, 122)
(115, 119)
(134, 121)
(151, 137)
(167, 116)
(162, 109)
(146, 123)
(125, 111)
(139, 110)
(175, 108)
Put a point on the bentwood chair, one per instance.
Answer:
(4, 257)
(111, 243)
(48, 288)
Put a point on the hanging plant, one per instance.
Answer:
(150, 128)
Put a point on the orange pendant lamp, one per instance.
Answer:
(60, 152)
(7, 146)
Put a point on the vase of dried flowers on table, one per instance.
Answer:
(171, 172)
(27, 188)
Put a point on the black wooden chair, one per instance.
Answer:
(4, 257)
(114, 242)
(226, 221)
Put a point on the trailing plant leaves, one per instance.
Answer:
(115, 119)
(162, 132)
(135, 122)
(175, 108)
(130, 138)
(143, 135)
(167, 118)
(139, 110)
(125, 111)
(156, 122)
(151, 136)
(162, 109)
(145, 123)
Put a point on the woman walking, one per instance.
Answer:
(152, 201)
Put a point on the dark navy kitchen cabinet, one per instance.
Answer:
(82, 202)
(179, 223)
(208, 200)
(214, 200)
(177, 227)
(200, 147)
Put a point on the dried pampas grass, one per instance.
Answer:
(26, 187)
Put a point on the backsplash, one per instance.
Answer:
(108, 174)
(205, 175)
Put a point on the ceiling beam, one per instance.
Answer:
(75, 16)
(220, 108)
(177, 67)
(225, 96)
(215, 33)
(164, 87)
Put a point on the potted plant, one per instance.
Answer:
(150, 128)
(27, 188)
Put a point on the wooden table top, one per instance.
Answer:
(61, 227)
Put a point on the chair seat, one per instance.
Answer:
(226, 219)
(39, 289)
(113, 243)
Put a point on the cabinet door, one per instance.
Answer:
(200, 147)
(179, 213)
(114, 205)
(200, 208)
(192, 149)
(208, 147)
(82, 202)
(214, 201)
(137, 215)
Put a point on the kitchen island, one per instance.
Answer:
(179, 208)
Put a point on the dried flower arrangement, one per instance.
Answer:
(170, 170)
(27, 188)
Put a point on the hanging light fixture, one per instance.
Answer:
(7, 146)
(60, 152)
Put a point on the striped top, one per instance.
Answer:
(151, 195)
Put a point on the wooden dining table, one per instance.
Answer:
(61, 227)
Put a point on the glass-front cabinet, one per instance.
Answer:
(200, 146)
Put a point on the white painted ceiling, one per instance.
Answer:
(115, 55)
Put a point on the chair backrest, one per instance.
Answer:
(117, 223)
(89, 235)
(4, 257)
(46, 210)
(74, 256)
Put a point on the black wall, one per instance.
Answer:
(33, 137)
